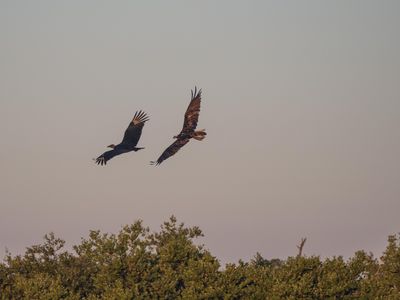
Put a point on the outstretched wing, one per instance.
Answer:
(171, 150)
(134, 130)
(192, 112)
(106, 156)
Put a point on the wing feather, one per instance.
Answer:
(192, 112)
(134, 130)
(171, 150)
(106, 156)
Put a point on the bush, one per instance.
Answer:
(137, 264)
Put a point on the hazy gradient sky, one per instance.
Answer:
(301, 102)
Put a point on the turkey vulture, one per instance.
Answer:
(130, 140)
(188, 130)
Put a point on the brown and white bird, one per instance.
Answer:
(189, 128)
(130, 140)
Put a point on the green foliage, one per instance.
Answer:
(138, 264)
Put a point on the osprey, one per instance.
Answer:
(188, 131)
(130, 140)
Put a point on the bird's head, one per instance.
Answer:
(111, 146)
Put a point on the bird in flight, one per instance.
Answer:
(188, 130)
(130, 140)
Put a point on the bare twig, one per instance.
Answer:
(300, 247)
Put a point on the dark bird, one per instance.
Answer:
(188, 130)
(130, 140)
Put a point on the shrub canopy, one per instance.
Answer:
(138, 264)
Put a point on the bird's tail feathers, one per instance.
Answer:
(199, 134)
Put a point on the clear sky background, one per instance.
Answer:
(301, 102)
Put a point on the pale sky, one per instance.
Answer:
(301, 103)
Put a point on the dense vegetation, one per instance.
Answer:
(138, 264)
